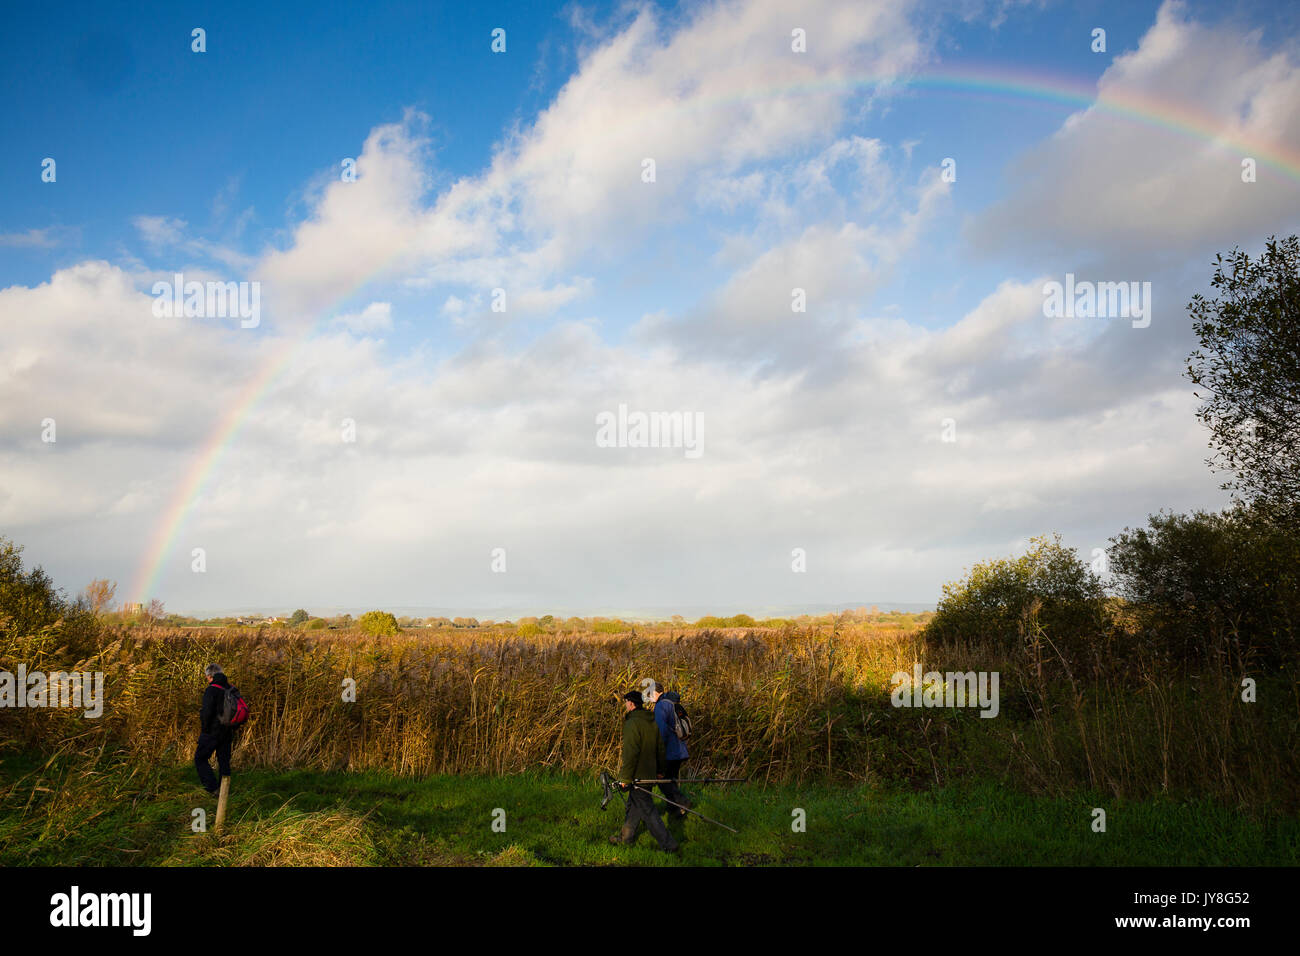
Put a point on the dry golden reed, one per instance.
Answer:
(784, 704)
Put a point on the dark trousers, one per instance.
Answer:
(219, 742)
(641, 809)
(670, 790)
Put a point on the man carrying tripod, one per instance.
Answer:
(643, 759)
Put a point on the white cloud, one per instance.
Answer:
(1155, 165)
(454, 307)
(495, 447)
(376, 317)
(569, 184)
(171, 235)
(160, 230)
(31, 239)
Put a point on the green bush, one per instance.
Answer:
(991, 603)
(739, 620)
(1204, 581)
(378, 623)
(28, 600)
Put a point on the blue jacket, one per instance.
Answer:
(666, 718)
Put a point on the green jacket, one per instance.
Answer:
(643, 748)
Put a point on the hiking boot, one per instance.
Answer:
(624, 836)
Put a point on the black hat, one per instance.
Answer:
(634, 696)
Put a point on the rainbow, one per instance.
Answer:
(191, 485)
(1075, 94)
(220, 439)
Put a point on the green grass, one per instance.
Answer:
(66, 815)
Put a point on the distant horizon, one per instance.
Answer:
(664, 613)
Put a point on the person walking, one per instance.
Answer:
(675, 753)
(213, 735)
(643, 759)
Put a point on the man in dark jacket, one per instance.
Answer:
(643, 759)
(213, 736)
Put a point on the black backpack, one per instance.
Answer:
(682, 720)
(233, 710)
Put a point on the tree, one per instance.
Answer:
(1248, 367)
(154, 611)
(378, 623)
(28, 599)
(299, 617)
(1201, 581)
(99, 595)
(996, 595)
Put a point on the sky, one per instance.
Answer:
(820, 233)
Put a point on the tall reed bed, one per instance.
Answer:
(788, 704)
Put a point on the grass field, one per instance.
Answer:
(72, 816)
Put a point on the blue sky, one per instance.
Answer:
(520, 171)
(229, 140)
(122, 100)
(141, 125)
